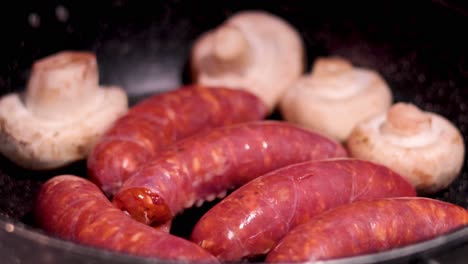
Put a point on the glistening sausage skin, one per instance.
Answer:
(75, 209)
(251, 220)
(159, 121)
(367, 227)
(208, 164)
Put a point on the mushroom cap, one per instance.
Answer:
(252, 50)
(424, 147)
(334, 97)
(58, 122)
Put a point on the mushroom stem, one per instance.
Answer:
(230, 44)
(60, 83)
(406, 119)
(331, 66)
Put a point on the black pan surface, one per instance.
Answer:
(419, 47)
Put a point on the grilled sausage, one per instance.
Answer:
(367, 227)
(208, 164)
(159, 121)
(251, 220)
(73, 208)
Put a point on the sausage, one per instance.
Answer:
(74, 208)
(368, 227)
(160, 120)
(252, 219)
(208, 164)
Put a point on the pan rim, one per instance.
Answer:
(424, 249)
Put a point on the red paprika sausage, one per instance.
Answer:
(75, 209)
(251, 220)
(368, 227)
(207, 164)
(159, 121)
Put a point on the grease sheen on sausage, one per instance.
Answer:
(159, 121)
(75, 209)
(207, 164)
(251, 220)
(368, 227)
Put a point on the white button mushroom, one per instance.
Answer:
(422, 146)
(334, 97)
(252, 50)
(60, 115)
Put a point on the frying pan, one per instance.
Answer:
(143, 46)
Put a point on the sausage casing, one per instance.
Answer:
(367, 227)
(252, 219)
(159, 121)
(74, 208)
(208, 164)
